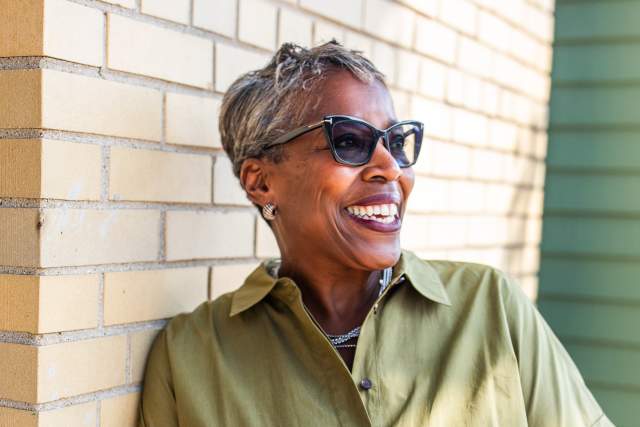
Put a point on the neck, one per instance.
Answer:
(338, 297)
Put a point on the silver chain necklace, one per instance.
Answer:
(338, 341)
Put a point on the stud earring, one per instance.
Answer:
(269, 211)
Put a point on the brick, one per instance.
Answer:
(195, 234)
(460, 14)
(451, 160)
(494, 31)
(192, 120)
(384, 58)
(437, 117)
(87, 236)
(428, 7)
(474, 57)
(389, 21)
(401, 102)
(145, 49)
(438, 191)
(503, 135)
(233, 61)
(73, 368)
(506, 70)
(19, 245)
(266, 245)
(294, 27)
(470, 128)
(537, 22)
(499, 198)
(35, 168)
(18, 364)
(464, 89)
(83, 414)
(159, 176)
(121, 411)
(219, 16)
(324, 32)
(433, 79)
(466, 196)
(348, 13)
(10, 417)
(22, 27)
(174, 10)
(436, 40)
(489, 95)
(67, 303)
(140, 345)
(24, 85)
(228, 278)
(408, 74)
(84, 104)
(488, 165)
(136, 296)
(357, 41)
(258, 23)
(226, 187)
(38, 28)
(18, 303)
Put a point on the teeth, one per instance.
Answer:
(380, 213)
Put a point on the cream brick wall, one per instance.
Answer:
(118, 208)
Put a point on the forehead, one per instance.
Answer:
(341, 93)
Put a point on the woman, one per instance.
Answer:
(348, 329)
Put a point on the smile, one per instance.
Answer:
(384, 214)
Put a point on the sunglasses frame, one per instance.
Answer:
(327, 124)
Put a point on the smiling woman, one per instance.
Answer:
(347, 328)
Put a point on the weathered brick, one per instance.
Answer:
(174, 10)
(84, 104)
(460, 14)
(228, 278)
(83, 414)
(140, 345)
(194, 234)
(226, 187)
(266, 245)
(219, 16)
(120, 411)
(18, 364)
(149, 50)
(233, 61)
(72, 368)
(87, 236)
(389, 21)
(258, 23)
(152, 175)
(349, 13)
(19, 245)
(39, 28)
(435, 39)
(136, 296)
(192, 120)
(294, 27)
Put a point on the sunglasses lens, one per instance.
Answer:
(352, 141)
(404, 142)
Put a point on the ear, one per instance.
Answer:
(254, 179)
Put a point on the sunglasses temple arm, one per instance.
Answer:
(294, 134)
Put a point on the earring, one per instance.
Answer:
(269, 211)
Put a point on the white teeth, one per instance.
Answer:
(385, 214)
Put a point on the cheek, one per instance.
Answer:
(406, 181)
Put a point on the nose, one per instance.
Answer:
(382, 165)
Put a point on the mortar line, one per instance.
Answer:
(162, 240)
(127, 363)
(101, 288)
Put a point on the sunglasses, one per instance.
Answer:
(352, 141)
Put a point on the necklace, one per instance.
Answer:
(338, 341)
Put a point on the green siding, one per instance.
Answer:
(590, 253)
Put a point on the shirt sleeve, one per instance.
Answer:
(553, 389)
(157, 407)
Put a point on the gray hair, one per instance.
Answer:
(264, 104)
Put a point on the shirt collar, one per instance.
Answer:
(422, 276)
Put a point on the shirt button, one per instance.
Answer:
(366, 384)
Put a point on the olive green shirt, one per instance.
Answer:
(447, 344)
